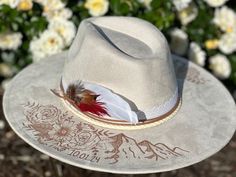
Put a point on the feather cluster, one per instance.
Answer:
(83, 99)
(98, 100)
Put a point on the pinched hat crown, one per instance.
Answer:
(128, 56)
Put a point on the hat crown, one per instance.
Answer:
(127, 55)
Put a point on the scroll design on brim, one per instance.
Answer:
(194, 76)
(57, 129)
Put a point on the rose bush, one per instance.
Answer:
(204, 31)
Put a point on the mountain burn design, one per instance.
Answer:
(57, 129)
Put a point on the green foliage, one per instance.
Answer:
(9, 19)
(124, 7)
(162, 14)
(202, 28)
(233, 65)
(29, 23)
(79, 12)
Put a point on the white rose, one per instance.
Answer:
(36, 49)
(181, 4)
(64, 13)
(215, 3)
(196, 54)
(51, 5)
(49, 42)
(225, 19)
(220, 66)
(10, 41)
(179, 41)
(227, 43)
(65, 28)
(11, 3)
(187, 14)
(97, 7)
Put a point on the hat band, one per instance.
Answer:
(124, 125)
(164, 108)
(152, 115)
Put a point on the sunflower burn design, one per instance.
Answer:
(83, 99)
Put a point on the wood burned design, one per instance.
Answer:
(61, 131)
(193, 76)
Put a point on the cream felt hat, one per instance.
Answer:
(119, 102)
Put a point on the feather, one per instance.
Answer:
(116, 106)
(98, 100)
(85, 100)
(96, 108)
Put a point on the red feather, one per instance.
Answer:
(96, 108)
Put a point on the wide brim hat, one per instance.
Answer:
(201, 124)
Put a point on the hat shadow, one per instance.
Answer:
(181, 67)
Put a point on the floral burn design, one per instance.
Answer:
(56, 129)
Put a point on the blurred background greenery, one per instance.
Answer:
(203, 31)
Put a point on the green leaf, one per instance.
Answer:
(14, 26)
(114, 5)
(35, 26)
(161, 15)
(124, 8)
(155, 4)
(233, 66)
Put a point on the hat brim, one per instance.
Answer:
(203, 125)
